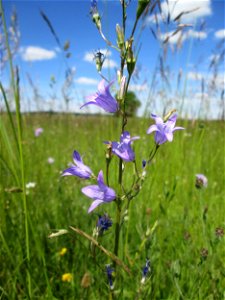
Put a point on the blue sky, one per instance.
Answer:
(187, 54)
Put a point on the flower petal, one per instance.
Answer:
(76, 171)
(77, 158)
(101, 183)
(157, 119)
(178, 128)
(169, 136)
(110, 195)
(95, 204)
(171, 121)
(93, 191)
(152, 128)
(87, 103)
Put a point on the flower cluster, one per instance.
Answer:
(101, 193)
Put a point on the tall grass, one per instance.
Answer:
(186, 217)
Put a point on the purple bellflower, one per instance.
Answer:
(201, 181)
(100, 193)
(103, 98)
(79, 169)
(123, 149)
(163, 130)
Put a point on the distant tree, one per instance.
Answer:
(132, 104)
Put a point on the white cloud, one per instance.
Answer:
(216, 80)
(198, 8)
(201, 35)
(182, 36)
(194, 76)
(200, 95)
(138, 87)
(86, 81)
(32, 53)
(109, 63)
(220, 34)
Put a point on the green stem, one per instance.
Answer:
(117, 228)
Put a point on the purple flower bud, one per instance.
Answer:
(104, 222)
(145, 271)
(109, 272)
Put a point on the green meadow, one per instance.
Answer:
(177, 226)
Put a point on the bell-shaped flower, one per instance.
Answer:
(103, 98)
(124, 149)
(79, 169)
(100, 193)
(163, 130)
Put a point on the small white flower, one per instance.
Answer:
(30, 185)
(51, 160)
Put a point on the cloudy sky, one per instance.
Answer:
(180, 64)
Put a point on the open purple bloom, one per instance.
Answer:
(103, 98)
(79, 169)
(123, 149)
(201, 181)
(100, 193)
(163, 130)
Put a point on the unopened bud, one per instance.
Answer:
(97, 20)
(122, 88)
(99, 58)
(120, 36)
(142, 4)
(131, 61)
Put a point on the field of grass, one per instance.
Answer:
(177, 226)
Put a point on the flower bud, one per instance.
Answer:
(96, 19)
(120, 36)
(122, 88)
(95, 15)
(131, 61)
(142, 4)
(99, 60)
